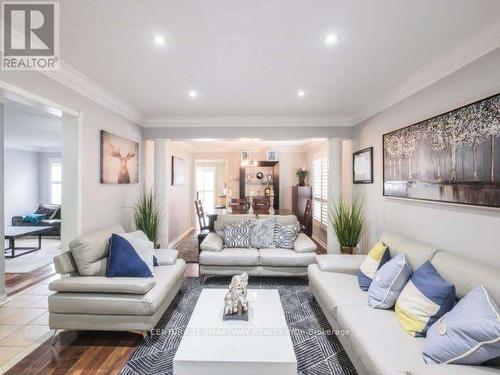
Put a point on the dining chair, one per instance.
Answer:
(202, 220)
(306, 225)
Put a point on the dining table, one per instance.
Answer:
(212, 214)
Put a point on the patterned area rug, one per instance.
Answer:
(318, 351)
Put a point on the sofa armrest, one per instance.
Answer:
(340, 263)
(64, 263)
(212, 242)
(304, 244)
(166, 257)
(453, 370)
(101, 284)
(17, 220)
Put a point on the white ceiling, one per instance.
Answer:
(31, 129)
(249, 58)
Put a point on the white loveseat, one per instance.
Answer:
(87, 300)
(376, 344)
(217, 260)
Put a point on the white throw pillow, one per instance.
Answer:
(143, 247)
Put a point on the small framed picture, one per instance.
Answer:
(272, 155)
(362, 166)
(178, 171)
(246, 156)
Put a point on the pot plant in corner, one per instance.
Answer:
(147, 216)
(348, 223)
(301, 176)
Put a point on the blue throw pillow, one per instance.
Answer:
(388, 282)
(424, 299)
(123, 260)
(33, 218)
(467, 335)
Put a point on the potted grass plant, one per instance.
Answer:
(147, 216)
(348, 222)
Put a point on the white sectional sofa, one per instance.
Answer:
(217, 260)
(99, 303)
(376, 343)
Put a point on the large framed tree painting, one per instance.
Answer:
(119, 159)
(453, 157)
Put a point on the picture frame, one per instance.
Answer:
(178, 171)
(450, 158)
(245, 156)
(272, 155)
(362, 166)
(119, 161)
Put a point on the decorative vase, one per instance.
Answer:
(271, 205)
(347, 250)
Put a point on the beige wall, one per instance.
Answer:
(101, 204)
(471, 231)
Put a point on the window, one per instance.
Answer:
(320, 191)
(205, 186)
(55, 182)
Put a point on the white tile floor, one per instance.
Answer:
(24, 323)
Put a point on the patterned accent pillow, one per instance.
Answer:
(262, 233)
(285, 235)
(424, 299)
(237, 234)
(376, 258)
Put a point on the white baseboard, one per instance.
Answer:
(176, 240)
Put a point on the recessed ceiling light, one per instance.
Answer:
(193, 94)
(331, 39)
(301, 93)
(159, 40)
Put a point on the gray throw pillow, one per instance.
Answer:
(237, 234)
(285, 235)
(262, 233)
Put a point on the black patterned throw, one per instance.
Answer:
(317, 349)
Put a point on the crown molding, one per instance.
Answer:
(246, 121)
(77, 81)
(449, 62)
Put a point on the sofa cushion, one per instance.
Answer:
(224, 219)
(335, 289)
(230, 257)
(237, 235)
(468, 335)
(379, 341)
(90, 251)
(212, 242)
(303, 244)
(466, 274)
(262, 233)
(424, 299)
(166, 257)
(284, 258)
(340, 263)
(101, 284)
(388, 282)
(121, 304)
(125, 261)
(285, 235)
(142, 245)
(417, 253)
(375, 259)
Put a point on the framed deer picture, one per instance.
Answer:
(453, 157)
(119, 159)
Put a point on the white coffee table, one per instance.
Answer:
(260, 346)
